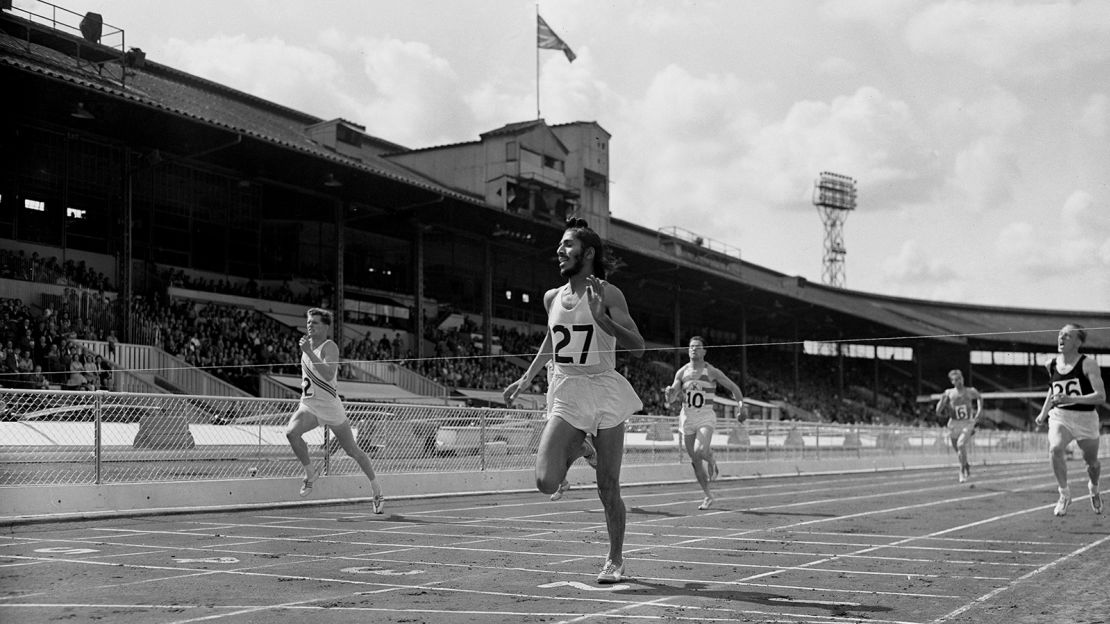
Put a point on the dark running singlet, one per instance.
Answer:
(1071, 383)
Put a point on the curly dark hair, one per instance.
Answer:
(604, 262)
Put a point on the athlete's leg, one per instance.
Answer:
(301, 422)
(704, 445)
(560, 444)
(1059, 437)
(346, 438)
(961, 446)
(691, 442)
(610, 454)
(1089, 447)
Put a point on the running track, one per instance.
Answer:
(907, 547)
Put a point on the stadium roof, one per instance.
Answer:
(38, 60)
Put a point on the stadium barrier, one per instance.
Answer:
(82, 440)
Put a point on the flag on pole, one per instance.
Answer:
(548, 40)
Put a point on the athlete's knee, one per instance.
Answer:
(547, 484)
(609, 491)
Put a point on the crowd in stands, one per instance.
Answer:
(19, 265)
(237, 344)
(233, 343)
(310, 296)
(39, 353)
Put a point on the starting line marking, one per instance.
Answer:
(208, 560)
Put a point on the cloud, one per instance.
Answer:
(916, 266)
(1096, 115)
(1020, 38)
(837, 66)
(866, 135)
(269, 68)
(399, 90)
(1070, 244)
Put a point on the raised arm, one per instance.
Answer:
(610, 310)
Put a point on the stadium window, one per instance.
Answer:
(525, 298)
(34, 204)
(812, 347)
(553, 163)
(509, 295)
(347, 135)
(981, 357)
(859, 351)
(75, 213)
(904, 354)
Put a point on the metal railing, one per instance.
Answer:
(147, 361)
(55, 438)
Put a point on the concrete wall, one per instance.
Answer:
(48, 503)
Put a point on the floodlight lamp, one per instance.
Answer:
(80, 112)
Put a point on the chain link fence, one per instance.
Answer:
(56, 438)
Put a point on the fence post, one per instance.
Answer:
(327, 450)
(97, 445)
(482, 440)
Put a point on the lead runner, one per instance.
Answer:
(586, 318)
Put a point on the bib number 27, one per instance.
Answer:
(572, 344)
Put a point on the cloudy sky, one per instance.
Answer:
(979, 132)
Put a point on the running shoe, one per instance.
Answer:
(563, 487)
(707, 503)
(962, 477)
(1096, 497)
(378, 504)
(306, 484)
(1062, 504)
(611, 573)
(591, 453)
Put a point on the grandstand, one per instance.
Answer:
(177, 228)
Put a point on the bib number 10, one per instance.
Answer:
(572, 344)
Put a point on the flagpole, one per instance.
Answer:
(537, 22)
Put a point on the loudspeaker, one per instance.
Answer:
(91, 25)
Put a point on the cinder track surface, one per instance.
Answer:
(909, 547)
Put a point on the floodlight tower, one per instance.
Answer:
(834, 195)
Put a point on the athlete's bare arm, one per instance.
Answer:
(671, 393)
(610, 310)
(942, 403)
(978, 399)
(721, 378)
(543, 356)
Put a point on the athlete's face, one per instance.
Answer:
(1067, 339)
(697, 350)
(570, 255)
(316, 327)
(957, 379)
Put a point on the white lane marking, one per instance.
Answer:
(832, 603)
(66, 550)
(1048, 566)
(207, 560)
(379, 571)
(583, 586)
(908, 539)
